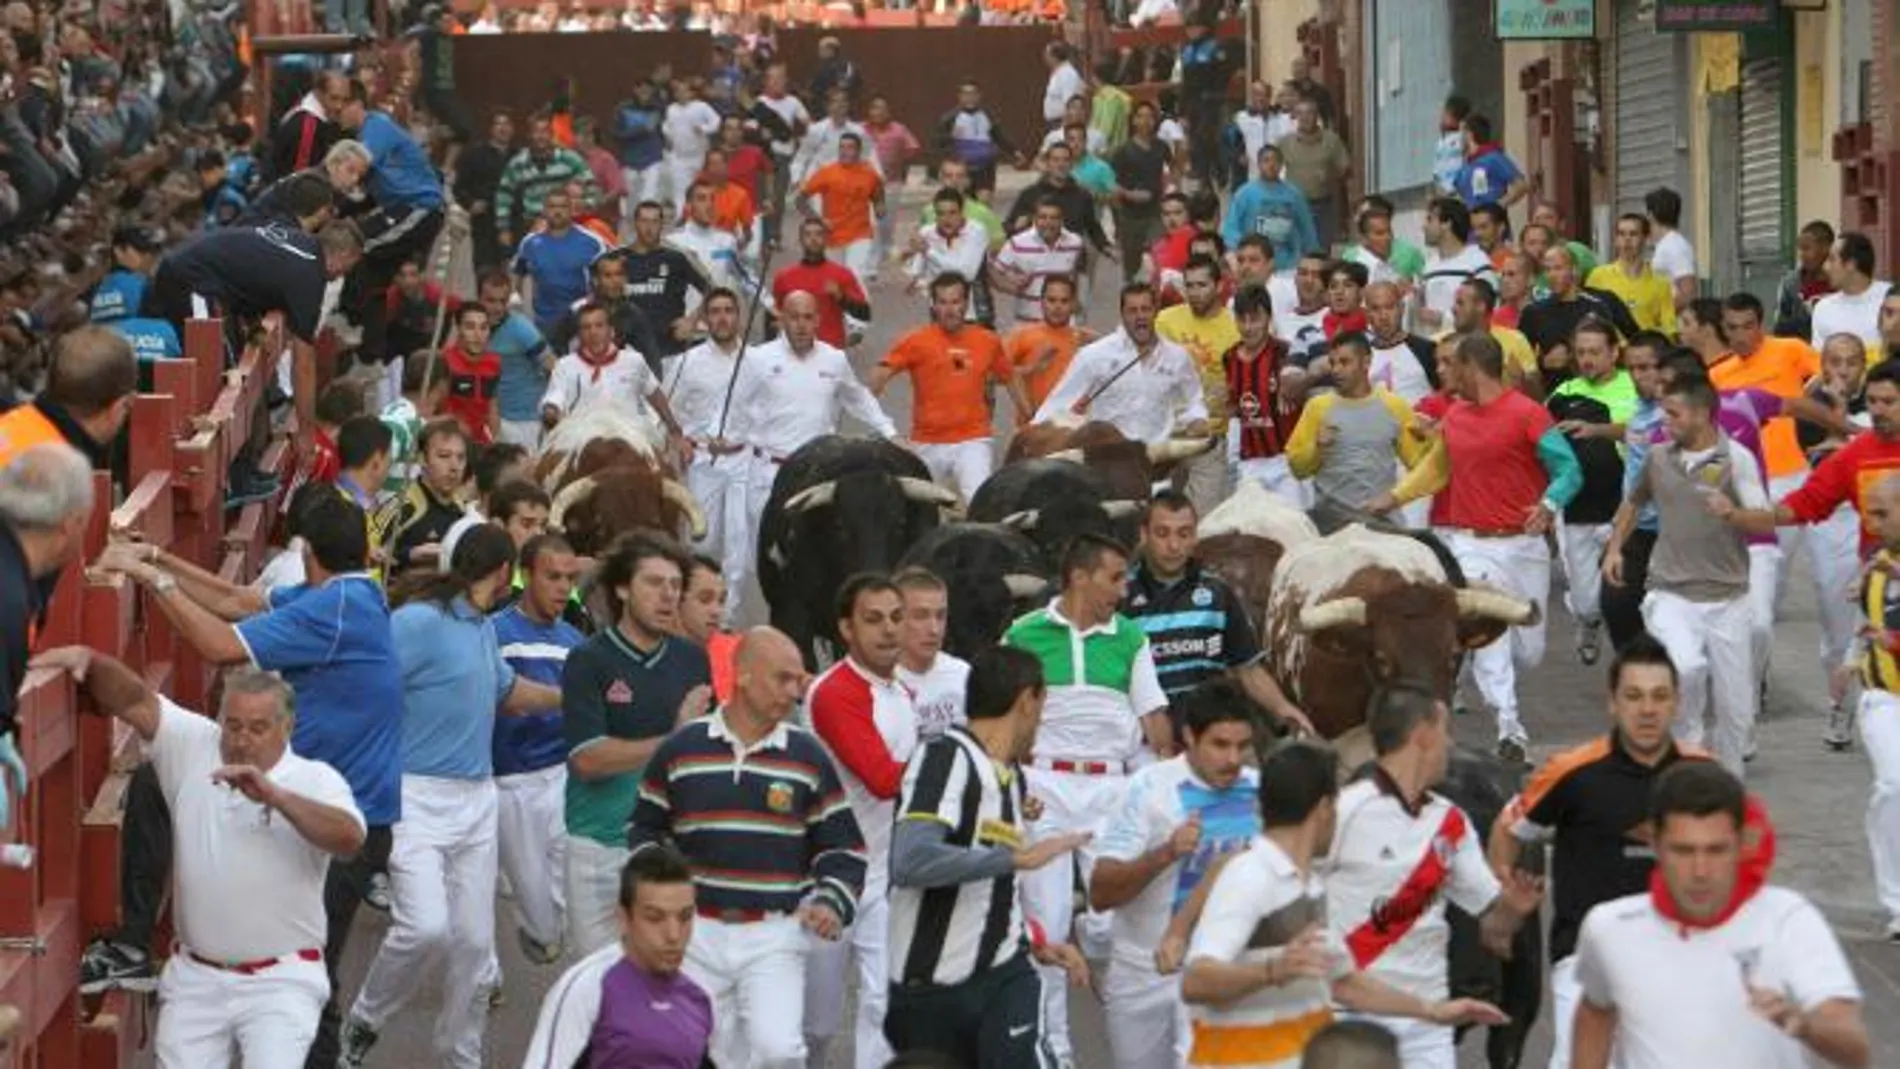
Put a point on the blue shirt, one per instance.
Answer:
(332, 643)
(536, 651)
(558, 266)
(152, 339)
(637, 129)
(453, 679)
(118, 295)
(1484, 180)
(1278, 212)
(400, 174)
(1639, 432)
(520, 346)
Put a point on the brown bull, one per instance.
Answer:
(612, 482)
(1131, 468)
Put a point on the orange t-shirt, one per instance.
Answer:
(846, 192)
(1782, 366)
(732, 208)
(949, 376)
(1025, 347)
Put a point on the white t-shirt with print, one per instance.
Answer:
(937, 695)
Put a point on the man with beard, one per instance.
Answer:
(836, 289)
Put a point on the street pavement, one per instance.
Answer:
(1817, 798)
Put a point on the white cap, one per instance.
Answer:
(453, 538)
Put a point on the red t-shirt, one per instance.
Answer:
(325, 463)
(803, 277)
(1496, 476)
(472, 383)
(1335, 324)
(748, 165)
(1847, 476)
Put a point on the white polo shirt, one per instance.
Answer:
(1145, 399)
(1027, 254)
(1388, 876)
(937, 694)
(1258, 904)
(248, 885)
(1158, 801)
(576, 383)
(1681, 995)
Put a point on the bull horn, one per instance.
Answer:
(1335, 613)
(571, 493)
(1175, 450)
(675, 491)
(1496, 605)
(1025, 520)
(812, 497)
(925, 492)
(1122, 508)
(1073, 456)
(1025, 586)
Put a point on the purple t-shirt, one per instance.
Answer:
(1740, 416)
(649, 1022)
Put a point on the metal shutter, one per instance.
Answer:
(1411, 76)
(1763, 152)
(1648, 107)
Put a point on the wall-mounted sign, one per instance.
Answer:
(1716, 16)
(1546, 20)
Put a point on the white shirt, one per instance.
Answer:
(853, 695)
(1064, 82)
(788, 400)
(576, 383)
(1859, 314)
(1146, 402)
(1681, 995)
(1094, 142)
(1149, 12)
(1444, 274)
(1303, 333)
(1673, 257)
(1158, 801)
(1172, 134)
(964, 252)
(792, 111)
(937, 695)
(1258, 904)
(689, 128)
(248, 885)
(284, 570)
(696, 384)
(1257, 132)
(1379, 848)
(1028, 254)
(717, 252)
(1397, 369)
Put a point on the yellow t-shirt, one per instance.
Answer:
(1649, 296)
(1517, 350)
(1207, 341)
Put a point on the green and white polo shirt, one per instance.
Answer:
(1101, 682)
(405, 427)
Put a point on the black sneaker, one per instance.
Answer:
(1839, 734)
(248, 485)
(109, 966)
(377, 897)
(1512, 751)
(1589, 642)
(356, 1040)
(536, 951)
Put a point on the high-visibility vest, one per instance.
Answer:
(22, 429)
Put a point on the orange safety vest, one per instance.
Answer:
(722, 649)
(22, 429)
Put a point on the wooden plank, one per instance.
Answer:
(146, 513)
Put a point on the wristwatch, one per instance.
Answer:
(164, 583)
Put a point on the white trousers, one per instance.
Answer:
(593, 894)
(647, 183)
(1274, 473)
(1146, 1017)
(267, 1019)
(1764, 572)
(1565, 993)
(525, 433)
(1520, 565)
(1713, 649)
(963, 465)
(828, 964)
(720, 485)
(442, 867)
(1422, 1045)
(531, 823)
(860, 256)
(755, 976)
(1070, 802)
(1834, 558)
(1581, 545)
(680, 175)
(1880, 733)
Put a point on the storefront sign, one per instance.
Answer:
(1546, 20)
(1716, 16)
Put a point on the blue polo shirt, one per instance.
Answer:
(518, 393)
(118, 295)
(401, 177)
(152, 339)
(453, 680)
(558, 265)
(332, 643)
(1484, 180)
(536, 651)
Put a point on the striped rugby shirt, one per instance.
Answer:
(764, 826)
(1037, 261)
(1101, 681)
(941, 936)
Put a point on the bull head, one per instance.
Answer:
(921, 491)
(1172, 451)
(1030, 519)
(1025, 586)
(671, 490)
(1475, 604)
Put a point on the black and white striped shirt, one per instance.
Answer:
(962, 917)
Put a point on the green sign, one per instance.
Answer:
(1546, 20)
(1716, 16)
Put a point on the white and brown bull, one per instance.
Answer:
(607, 469)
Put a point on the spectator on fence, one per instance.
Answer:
(86, 402)
(248, 972)
(46, 503)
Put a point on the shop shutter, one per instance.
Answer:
(1763, 160)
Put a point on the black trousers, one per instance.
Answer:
(1622, 606)
(389, 238)
(343, 895)
(991, 1021)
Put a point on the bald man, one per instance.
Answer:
(1402, 362)
(309, 129)
(778, 833)
(1549, 323)
(1351, 1045)
(87, 399)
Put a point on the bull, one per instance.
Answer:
(1243, 540)
(1053, 500)
(838, 506)
(993, 573)
(605, 468)
(1129, 469)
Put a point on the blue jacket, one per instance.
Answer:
(401, 178)
(637, 130)
(1279, 212)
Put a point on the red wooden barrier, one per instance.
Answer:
(183, 436)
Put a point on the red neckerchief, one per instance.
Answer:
(598, 363)
(1334, 324)
(1484, 149)
(1758, 857)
